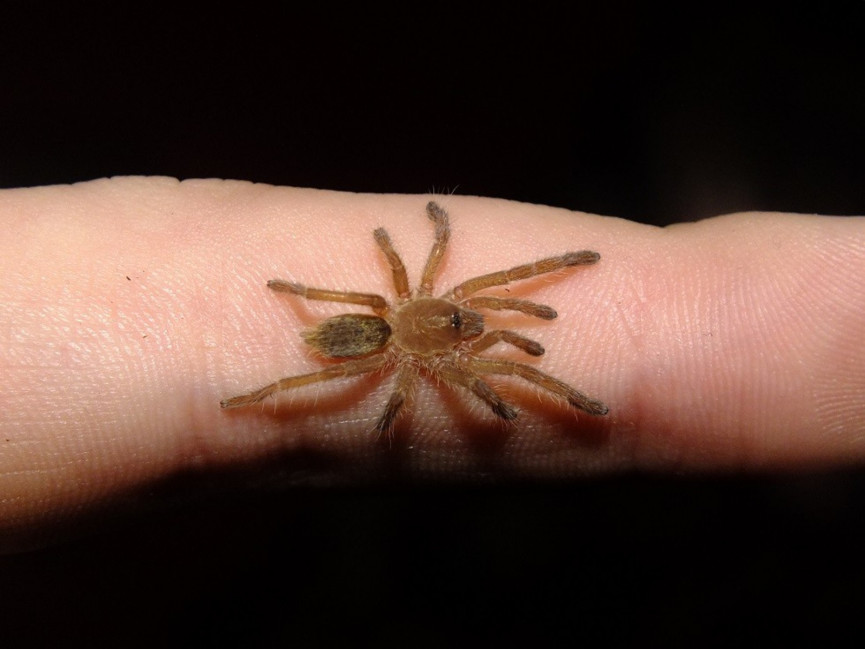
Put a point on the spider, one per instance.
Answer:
(441, 335)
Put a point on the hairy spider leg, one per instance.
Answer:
(545, 381)
(490, 338)
(510, 304)
(343, 370)
(442, 235)
(400, 277)
(459, 375)
(525, 271)
(376, 302)
(404, 380)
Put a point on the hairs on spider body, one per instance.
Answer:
(443, 335)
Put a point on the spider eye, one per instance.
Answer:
(456, 320)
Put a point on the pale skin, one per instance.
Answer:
(131, 307)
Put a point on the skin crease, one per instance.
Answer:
(129, 307)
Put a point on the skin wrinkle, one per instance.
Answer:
(780, 329)
(839, 390)
(634, 301)
(793, 325)
(807, 279)
(706, 314)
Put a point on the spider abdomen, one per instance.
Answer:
(351, 334)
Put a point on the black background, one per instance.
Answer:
(653, 116)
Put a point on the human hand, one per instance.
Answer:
(132, 306)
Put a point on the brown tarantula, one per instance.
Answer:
(441, 335)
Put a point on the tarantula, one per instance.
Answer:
(440, 335)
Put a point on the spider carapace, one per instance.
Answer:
(442, 336)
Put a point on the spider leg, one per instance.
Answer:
(443, 233)
(404, 380)
(490, 338)
(510, 304)
(349, 368)
(583, 257)
(400, 277)
(545, 381)
(462, 376)
(377, 302)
